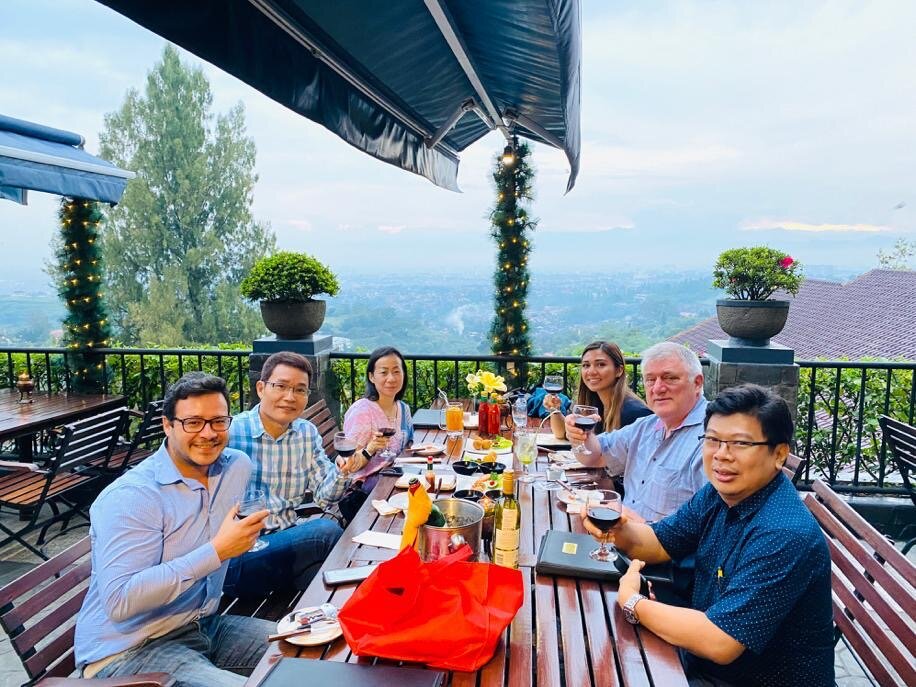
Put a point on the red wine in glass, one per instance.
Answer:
(344, 445)
(387, 431)
(586, 424)
(603, 518)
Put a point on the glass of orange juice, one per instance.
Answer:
(453, 416)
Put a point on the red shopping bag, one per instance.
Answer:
(448, 614)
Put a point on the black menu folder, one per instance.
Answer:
(299, 672)
(565, 554)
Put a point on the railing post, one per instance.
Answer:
(772, 366)
(317, 348)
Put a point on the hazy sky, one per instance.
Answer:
(704, 126)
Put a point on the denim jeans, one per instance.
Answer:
(290, 561)
(216, 651)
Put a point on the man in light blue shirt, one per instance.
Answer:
(658, 455)
(161, 538)
(287, 460)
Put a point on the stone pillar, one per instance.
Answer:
(317, 348)
(772, 366)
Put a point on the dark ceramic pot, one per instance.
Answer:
(751, 323)
(293, 319)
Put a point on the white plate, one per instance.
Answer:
(469, 448)
(580, 496)
(447, 481)
(323, 633)
(399, 500)
(428, 449)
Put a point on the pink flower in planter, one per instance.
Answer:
(786, 262)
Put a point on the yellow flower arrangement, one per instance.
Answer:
(484, 383)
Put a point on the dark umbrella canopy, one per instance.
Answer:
(410, 82)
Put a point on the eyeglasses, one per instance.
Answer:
(193, 425)
(734, 445)
(284, 389)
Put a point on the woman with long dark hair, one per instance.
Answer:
(603, 384)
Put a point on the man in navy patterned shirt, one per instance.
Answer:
(761, 607)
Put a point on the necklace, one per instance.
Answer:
(393, 415)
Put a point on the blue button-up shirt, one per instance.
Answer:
(763, 576)
(285, 467)
(659, 473)
(153, 566)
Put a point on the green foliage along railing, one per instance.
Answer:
(142, 375)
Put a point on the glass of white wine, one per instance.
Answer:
(526, 449)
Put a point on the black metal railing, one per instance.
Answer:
(837, 429)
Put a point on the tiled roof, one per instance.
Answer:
(873, 315)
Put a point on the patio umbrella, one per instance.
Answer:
(39, 158)
(411, 82)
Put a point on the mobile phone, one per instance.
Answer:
(332, 578)
(392, 472)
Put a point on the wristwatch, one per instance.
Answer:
(629, 609)
(366, 454)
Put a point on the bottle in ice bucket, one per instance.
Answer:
(418, 511)
(436, 518)
(506, 525)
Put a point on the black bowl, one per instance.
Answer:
(494, 494)
(488, 468)
(466, 467)
(468, 495)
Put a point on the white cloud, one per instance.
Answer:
(392, 229)
(792, 225)
(300, 224)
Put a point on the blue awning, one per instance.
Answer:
(410, 82)
(39, 158)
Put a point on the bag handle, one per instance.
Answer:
(459, 555)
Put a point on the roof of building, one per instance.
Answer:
(873, 315)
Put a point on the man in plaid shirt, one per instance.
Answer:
(287, 459)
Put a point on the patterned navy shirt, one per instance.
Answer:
(763, 577)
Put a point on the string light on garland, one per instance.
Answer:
(79, 262)
(510, 223)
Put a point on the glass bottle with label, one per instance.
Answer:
(507, 525)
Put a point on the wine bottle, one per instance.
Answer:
(507, 524)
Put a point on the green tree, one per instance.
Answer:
(183, 236)
(900, 257)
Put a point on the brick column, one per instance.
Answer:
(772, 366)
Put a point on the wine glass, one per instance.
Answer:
(586, 424)
(344, 445)
(553, 384)
(603, 508)
(526, 449)
(520, 413)
(253, 501)
(386, 453)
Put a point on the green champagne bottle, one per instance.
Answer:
(507, 525)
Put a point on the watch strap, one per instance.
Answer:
(366, 454)
(629, 608)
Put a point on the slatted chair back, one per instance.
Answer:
(89, 441)
(874, 602)
(901, 441)
(320, 415)
(145, 441)
(794, 467)
(38, 611)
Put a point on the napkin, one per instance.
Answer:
(383, 540)
(383, 507)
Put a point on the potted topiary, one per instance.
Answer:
(285, 284)
(750, 276)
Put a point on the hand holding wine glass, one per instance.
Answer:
(253, 502)
(346, 447)
(602, 509)
(584, 418)
(387, 433)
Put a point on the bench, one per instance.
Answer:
(794, 467)
(874, 590)
(901, 441)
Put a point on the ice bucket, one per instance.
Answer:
(463, 522)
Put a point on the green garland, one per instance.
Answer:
(86, 326)
(510, 226)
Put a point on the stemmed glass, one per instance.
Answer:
(386, 453)
(526, 449)
(603, 510)
(586, 424)
(344, 445)
(520, 414)
(553, 384)
(253, 501)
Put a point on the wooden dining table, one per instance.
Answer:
(21, 421)
(569, 632)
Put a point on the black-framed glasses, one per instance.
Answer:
(284, 389)
(193, 425)
(735, 445)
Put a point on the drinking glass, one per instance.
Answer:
(526, 448)
(344, 445)
(520, 414)
(603, 510)
(553, 384)
(386, 452)
(453, 419)
(586, 424)
(253, 501)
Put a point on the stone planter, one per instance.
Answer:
(751, 323)
(293, 319)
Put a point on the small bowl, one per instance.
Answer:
(465, 467)
(468, 495)
(494, 494)
(487, 468)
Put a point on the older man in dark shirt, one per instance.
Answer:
(761, 609)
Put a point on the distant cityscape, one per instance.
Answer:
(451, 314)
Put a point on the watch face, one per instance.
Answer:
(629, 609)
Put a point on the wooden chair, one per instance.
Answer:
(794, 467)
(65, 481)
(873, 585)
(901, 442)
(38, 611)
(145, 441)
